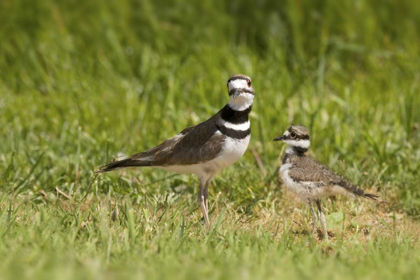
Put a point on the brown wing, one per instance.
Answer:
(198, 144)
(309, 170)
(193, 145)
(320, 175)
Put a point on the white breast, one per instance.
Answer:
(233, 150)
(303, 190)
(287, 180)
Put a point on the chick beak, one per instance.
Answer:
(281, 138)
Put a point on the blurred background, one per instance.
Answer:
(81, 81)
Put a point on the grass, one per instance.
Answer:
(81, 81)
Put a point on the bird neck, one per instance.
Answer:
(296, 150)
(231, 115)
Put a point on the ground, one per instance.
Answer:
(164, 237)
(82, 81)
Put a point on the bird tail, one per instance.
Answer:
(356, 191)
(371, 196)
(128, 162)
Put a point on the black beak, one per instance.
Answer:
(236, 93)
(281, 138)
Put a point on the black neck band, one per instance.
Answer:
(235, 117)
(300, 150)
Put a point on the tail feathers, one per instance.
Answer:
(362, 193)
(371, 196)
(129, 162)
(355, 190)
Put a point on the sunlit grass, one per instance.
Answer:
(82, 81)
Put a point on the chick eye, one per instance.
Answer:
(293, 134)
(249, 83)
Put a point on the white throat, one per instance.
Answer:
(241, 102)
(303, 144)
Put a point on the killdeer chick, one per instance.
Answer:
(204, 149)
(309, 179)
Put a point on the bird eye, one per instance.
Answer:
(293, 134)
(249, 83)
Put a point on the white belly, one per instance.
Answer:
(231, 152)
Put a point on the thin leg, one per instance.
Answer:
(201, 201)
(322, 218)
(206, 194)
(314, 217)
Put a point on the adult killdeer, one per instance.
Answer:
(309, 179)
(204, 149)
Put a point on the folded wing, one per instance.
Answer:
(193, 145)
(320, 176)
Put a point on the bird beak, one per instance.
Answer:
(281, 138)
(236, 94)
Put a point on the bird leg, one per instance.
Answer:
(206, 195)
(314, 217)
(322, 218)
(202, 202)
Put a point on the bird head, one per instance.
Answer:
(297, 136)
(241, 92)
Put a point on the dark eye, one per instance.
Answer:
(293, 134)
(249, 83)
